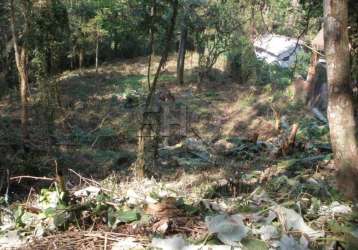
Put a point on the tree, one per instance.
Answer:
(215, 34)
(181, 54)
(50, 37)
(22, 60)
(95, 33)
(5, 37)
(184, 18)
(147, 145)
(340, 107)
(151, 39)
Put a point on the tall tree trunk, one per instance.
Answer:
(73, 58)
(97, 51)
(181, 54)
(151, 40)
(81, 58)
(145, 152)
(21, 58)
(340, 107)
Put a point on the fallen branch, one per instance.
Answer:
(19, 178)
(89, 181)
(100, 124)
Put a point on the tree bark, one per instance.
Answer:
(21, 58)
(181, 54)
(340, 106)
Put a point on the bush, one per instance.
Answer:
(302, 62)
(242, 62)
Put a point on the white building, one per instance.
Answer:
(277, 49)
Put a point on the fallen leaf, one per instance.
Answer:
(289, 243)
(229, 229)
(293, 221)
(173, 243)
(268, 232)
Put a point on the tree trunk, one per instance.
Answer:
(340, 106)
(21, 58)
(151, 40)
(97, 49)
(311, 78)
(24, 85)
(181, 54)
(146, 142)
(81, 58)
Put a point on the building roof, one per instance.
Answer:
(276, 44)
(278, 49)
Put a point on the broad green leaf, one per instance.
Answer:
(253, 244)
(60, 219)
(127, 216)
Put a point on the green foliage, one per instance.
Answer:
(50, 38)
(254, 244)
(214, 33)
(301, 65)
(127, 216)
(313, 130)
(273, 74)
(131, 82)
(242, 60)
(116, 217)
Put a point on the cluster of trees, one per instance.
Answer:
(77, 33)
(41, 38)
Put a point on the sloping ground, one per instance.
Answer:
(229, 162)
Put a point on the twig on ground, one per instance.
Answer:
(100, 124)
(29, 195)
(89, 181)
(205, 241)
(83, 240)
(19, 178)
(105, 241)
